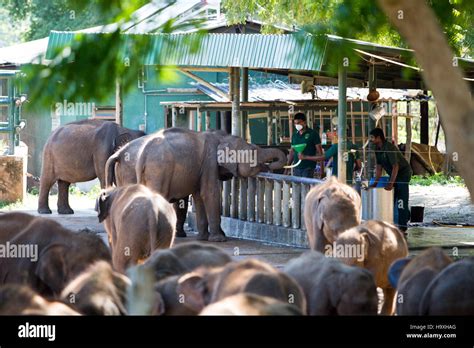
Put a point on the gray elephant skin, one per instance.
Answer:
(77, 152)
(177, 162)
(138, 221)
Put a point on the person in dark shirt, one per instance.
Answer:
(304, 135)
(389, 158)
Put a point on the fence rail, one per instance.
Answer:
(268, 198)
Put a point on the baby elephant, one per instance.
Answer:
(137, 221)
(18, 299)
(330, 209)
(374, 245)
(332, 288)
(250, 304)
(415, 278)
(97, 291)
(209, 285)
(451, 291)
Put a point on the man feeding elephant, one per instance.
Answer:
(307, 136)
(389, 157)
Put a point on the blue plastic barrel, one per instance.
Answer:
(384, 180)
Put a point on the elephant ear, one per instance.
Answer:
(121, 140)
(223, 161)
(192, 286)
(367, 241)
(102, 206)
(320, 211)
(51, 268)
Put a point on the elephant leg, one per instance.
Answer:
(63, 198)
(201, 218)
(181, 208)
(388, 301)
(213, 209)
(45, 186)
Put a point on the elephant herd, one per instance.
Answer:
(75, 273)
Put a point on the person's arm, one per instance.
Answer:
(315, 158)
(378, 174)
(393, 177)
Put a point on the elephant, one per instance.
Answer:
(204, 285)
(333, 288)
(97, 291)
(137, 221)
(53, 255)
(18, 299)
(78, 152)
(374, 245)
(178, 162)
(451, 291)
(415, 277)
(250, 304)
(330, 208)
(185, 257)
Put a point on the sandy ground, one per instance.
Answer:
(443, 203)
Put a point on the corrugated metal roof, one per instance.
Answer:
(219, 50)
(24, 53)
(282, 91)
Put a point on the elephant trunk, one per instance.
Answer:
(276, 158)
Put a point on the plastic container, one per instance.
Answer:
(377, 203)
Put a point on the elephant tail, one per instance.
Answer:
(110, 178)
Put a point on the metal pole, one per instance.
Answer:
(342, 126)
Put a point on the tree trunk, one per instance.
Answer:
(417, 23)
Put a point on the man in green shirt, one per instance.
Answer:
(389, 157)
(304, 135)
(352, 157)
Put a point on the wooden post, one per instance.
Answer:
(286, 204)
(234, 207)
(321, 124)
(408, 126)
(251, 192)
(174, 116)
(353, 125)
(424, 122)
(207, 116)
(290, 123)
(118, 103)
(245, 98)
(226, 197)
(277, 203)
(268, 201)
(260, 200)
(304, 192)
(235, 81)
(199, 120)
(243, 199)
(395, 123)
(342, 124)
(269, 127)
(296, 204)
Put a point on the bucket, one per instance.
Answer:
(417, 213)
(377, 203)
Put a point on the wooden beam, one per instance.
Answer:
(195, 68)
(118, 103)
(235, 83)
(205, 83)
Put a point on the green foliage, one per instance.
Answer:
(359, 19)
(44, 16)
(436, 179)
(90, 68)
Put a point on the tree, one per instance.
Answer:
(440, 26)
(44, 16)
